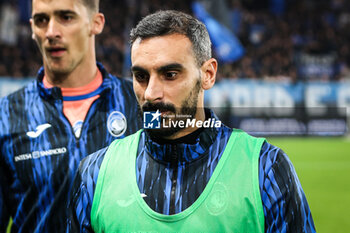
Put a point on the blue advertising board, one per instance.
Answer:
(277, 108)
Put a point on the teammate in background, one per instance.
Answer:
(73, 109)
(174, 179)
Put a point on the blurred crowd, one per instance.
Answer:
(306, 40)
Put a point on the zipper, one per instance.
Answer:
(174, 164)
(87, 117)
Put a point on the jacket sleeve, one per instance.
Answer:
(79, 207)
(82, 194)
(284, 202)
(4, 214)
(4, 183)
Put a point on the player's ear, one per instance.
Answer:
(31, 26)
(98, 22)
(209, 69)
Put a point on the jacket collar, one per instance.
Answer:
(55, 92)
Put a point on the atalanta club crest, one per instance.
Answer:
(116, 124)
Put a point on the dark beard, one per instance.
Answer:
(188, 108)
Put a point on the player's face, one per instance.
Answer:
(166, 75)
(62, 30)
(164, 71)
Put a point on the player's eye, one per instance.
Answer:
(141, 77)
(66, 18)
(170, 75)
(41, 21)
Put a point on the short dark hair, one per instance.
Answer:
(92, 4)
(169, 22)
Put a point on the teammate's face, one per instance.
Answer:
(63, 32)
(166, 76)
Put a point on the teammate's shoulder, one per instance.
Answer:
(111, 79)
(18, 98)
(124, 81)
(28, 89)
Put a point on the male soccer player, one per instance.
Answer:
(73, 109)
(168, 178)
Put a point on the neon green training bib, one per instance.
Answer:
(230, 202)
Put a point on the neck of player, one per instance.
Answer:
(80, 76)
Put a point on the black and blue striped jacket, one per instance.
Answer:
(39, 152)
(171, 186)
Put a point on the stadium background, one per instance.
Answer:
(284, 63)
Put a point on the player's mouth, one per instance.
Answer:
(56, 51)
(166, 110)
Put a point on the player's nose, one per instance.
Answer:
(53, 30)
(154, 90)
